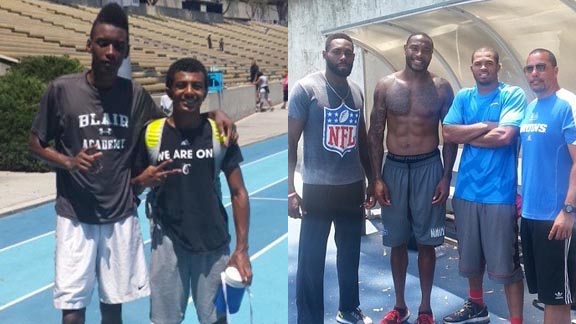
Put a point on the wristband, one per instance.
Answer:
(292, 194)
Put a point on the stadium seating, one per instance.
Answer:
(37, 27)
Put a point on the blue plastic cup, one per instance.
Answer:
(234, 291)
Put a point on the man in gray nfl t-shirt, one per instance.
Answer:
(327, 108)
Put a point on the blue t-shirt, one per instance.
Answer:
(331, 155)
(546, 131)
(488, 175)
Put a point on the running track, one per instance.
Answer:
(27, 251)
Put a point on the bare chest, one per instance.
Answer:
(417, 100)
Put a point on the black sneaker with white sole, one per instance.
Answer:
(353, 317)
(470, 313)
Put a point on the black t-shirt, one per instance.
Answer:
(75, 115)
(187, 204)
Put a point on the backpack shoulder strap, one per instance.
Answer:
(218, 146)
(153, 138)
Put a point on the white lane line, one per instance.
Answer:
(268, 247)
(52, 232)
(16, 301)
(27, 241)
(262, 159)
(269, 199)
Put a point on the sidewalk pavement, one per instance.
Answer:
(21, 190)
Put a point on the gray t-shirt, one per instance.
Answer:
(331, 155)
(75, 115)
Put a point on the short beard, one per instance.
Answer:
(334, 68)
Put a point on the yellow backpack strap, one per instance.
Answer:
(153, 138)
(218, 146)
(219, 151)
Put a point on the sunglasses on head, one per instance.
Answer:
(540, 67)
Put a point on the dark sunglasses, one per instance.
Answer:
(541, 67)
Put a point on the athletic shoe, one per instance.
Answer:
(394, 317)
(353, 317)
(424, 318)
(469, 313)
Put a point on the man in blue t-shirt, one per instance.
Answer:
(486, 118)
(327, 109)
(548, 135)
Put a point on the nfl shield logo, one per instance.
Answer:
(340, 129)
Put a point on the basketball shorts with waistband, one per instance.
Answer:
(411, 184)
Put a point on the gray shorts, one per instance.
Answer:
(174, 272)
(487, 238)
(411, 184)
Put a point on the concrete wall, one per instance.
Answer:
(238, 102)
(307, 20)
(243, 10)
(204, 17)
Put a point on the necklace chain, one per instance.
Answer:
(336, 92)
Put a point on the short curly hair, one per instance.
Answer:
(186, 64)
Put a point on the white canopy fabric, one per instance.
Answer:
(512, 27)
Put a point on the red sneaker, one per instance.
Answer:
(394, 317)
(424, 319)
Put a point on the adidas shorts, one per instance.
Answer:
(549, 265)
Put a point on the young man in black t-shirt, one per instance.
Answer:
(181, 157)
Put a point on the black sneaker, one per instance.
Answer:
(353, 317)
(469, 313)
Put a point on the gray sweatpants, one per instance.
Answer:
(175, 271)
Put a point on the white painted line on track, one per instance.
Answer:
(24, 242)
(269, 199)
(268, 247)
(262, 159)
(16, 301)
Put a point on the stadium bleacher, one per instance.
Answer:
(38, 27)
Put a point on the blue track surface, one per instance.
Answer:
(377, 289)
(27, 251)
